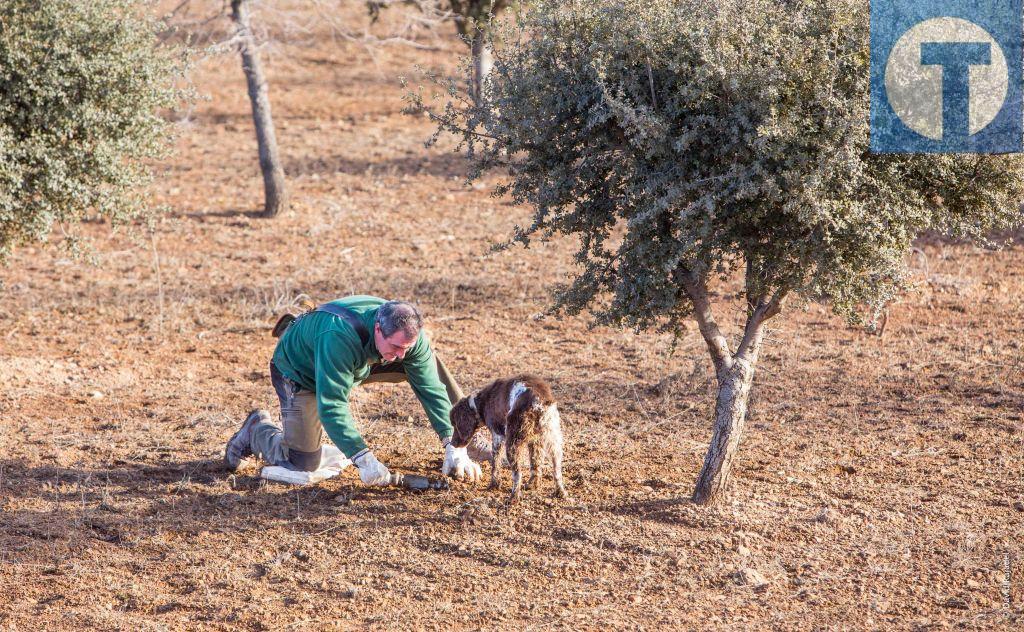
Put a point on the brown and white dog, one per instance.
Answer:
(519, 412)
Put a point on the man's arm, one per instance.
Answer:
(421, 370)
(336, 357)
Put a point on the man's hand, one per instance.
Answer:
(458, 464)
(371, 471)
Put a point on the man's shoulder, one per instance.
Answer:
(336, 331)
(339, 346)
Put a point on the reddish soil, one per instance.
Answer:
(879, 485)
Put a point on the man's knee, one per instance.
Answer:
(304, 461)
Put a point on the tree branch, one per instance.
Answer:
(650, 78)
(718, 346)
(766, 308)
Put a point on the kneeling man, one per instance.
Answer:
(319, 358)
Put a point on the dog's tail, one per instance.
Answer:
(537, 416)
(550, 420)
(526, 409)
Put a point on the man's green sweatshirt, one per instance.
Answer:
(322, 353)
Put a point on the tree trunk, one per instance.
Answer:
(275, 195)
(735, 373)
(482, 64)
(730, 416)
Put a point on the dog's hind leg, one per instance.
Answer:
(556, 466)
(496, 457)
(535, 465)
(514, 448)
(554, 442)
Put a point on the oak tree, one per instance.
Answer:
(84, 86)
(684, 141)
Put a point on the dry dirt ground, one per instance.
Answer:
(879, 483)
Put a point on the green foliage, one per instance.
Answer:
(675, 137)
(82, 85)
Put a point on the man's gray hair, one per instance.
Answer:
(395, 315)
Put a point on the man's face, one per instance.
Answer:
(395, 346)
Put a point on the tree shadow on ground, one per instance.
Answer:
(227, 213)
(446, 165)
(126, 501)
(677, 511)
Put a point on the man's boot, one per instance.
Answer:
(239, 445)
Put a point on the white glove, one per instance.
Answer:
(458, 464)
(371, 471)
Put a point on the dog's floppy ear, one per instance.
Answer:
(464, 423)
